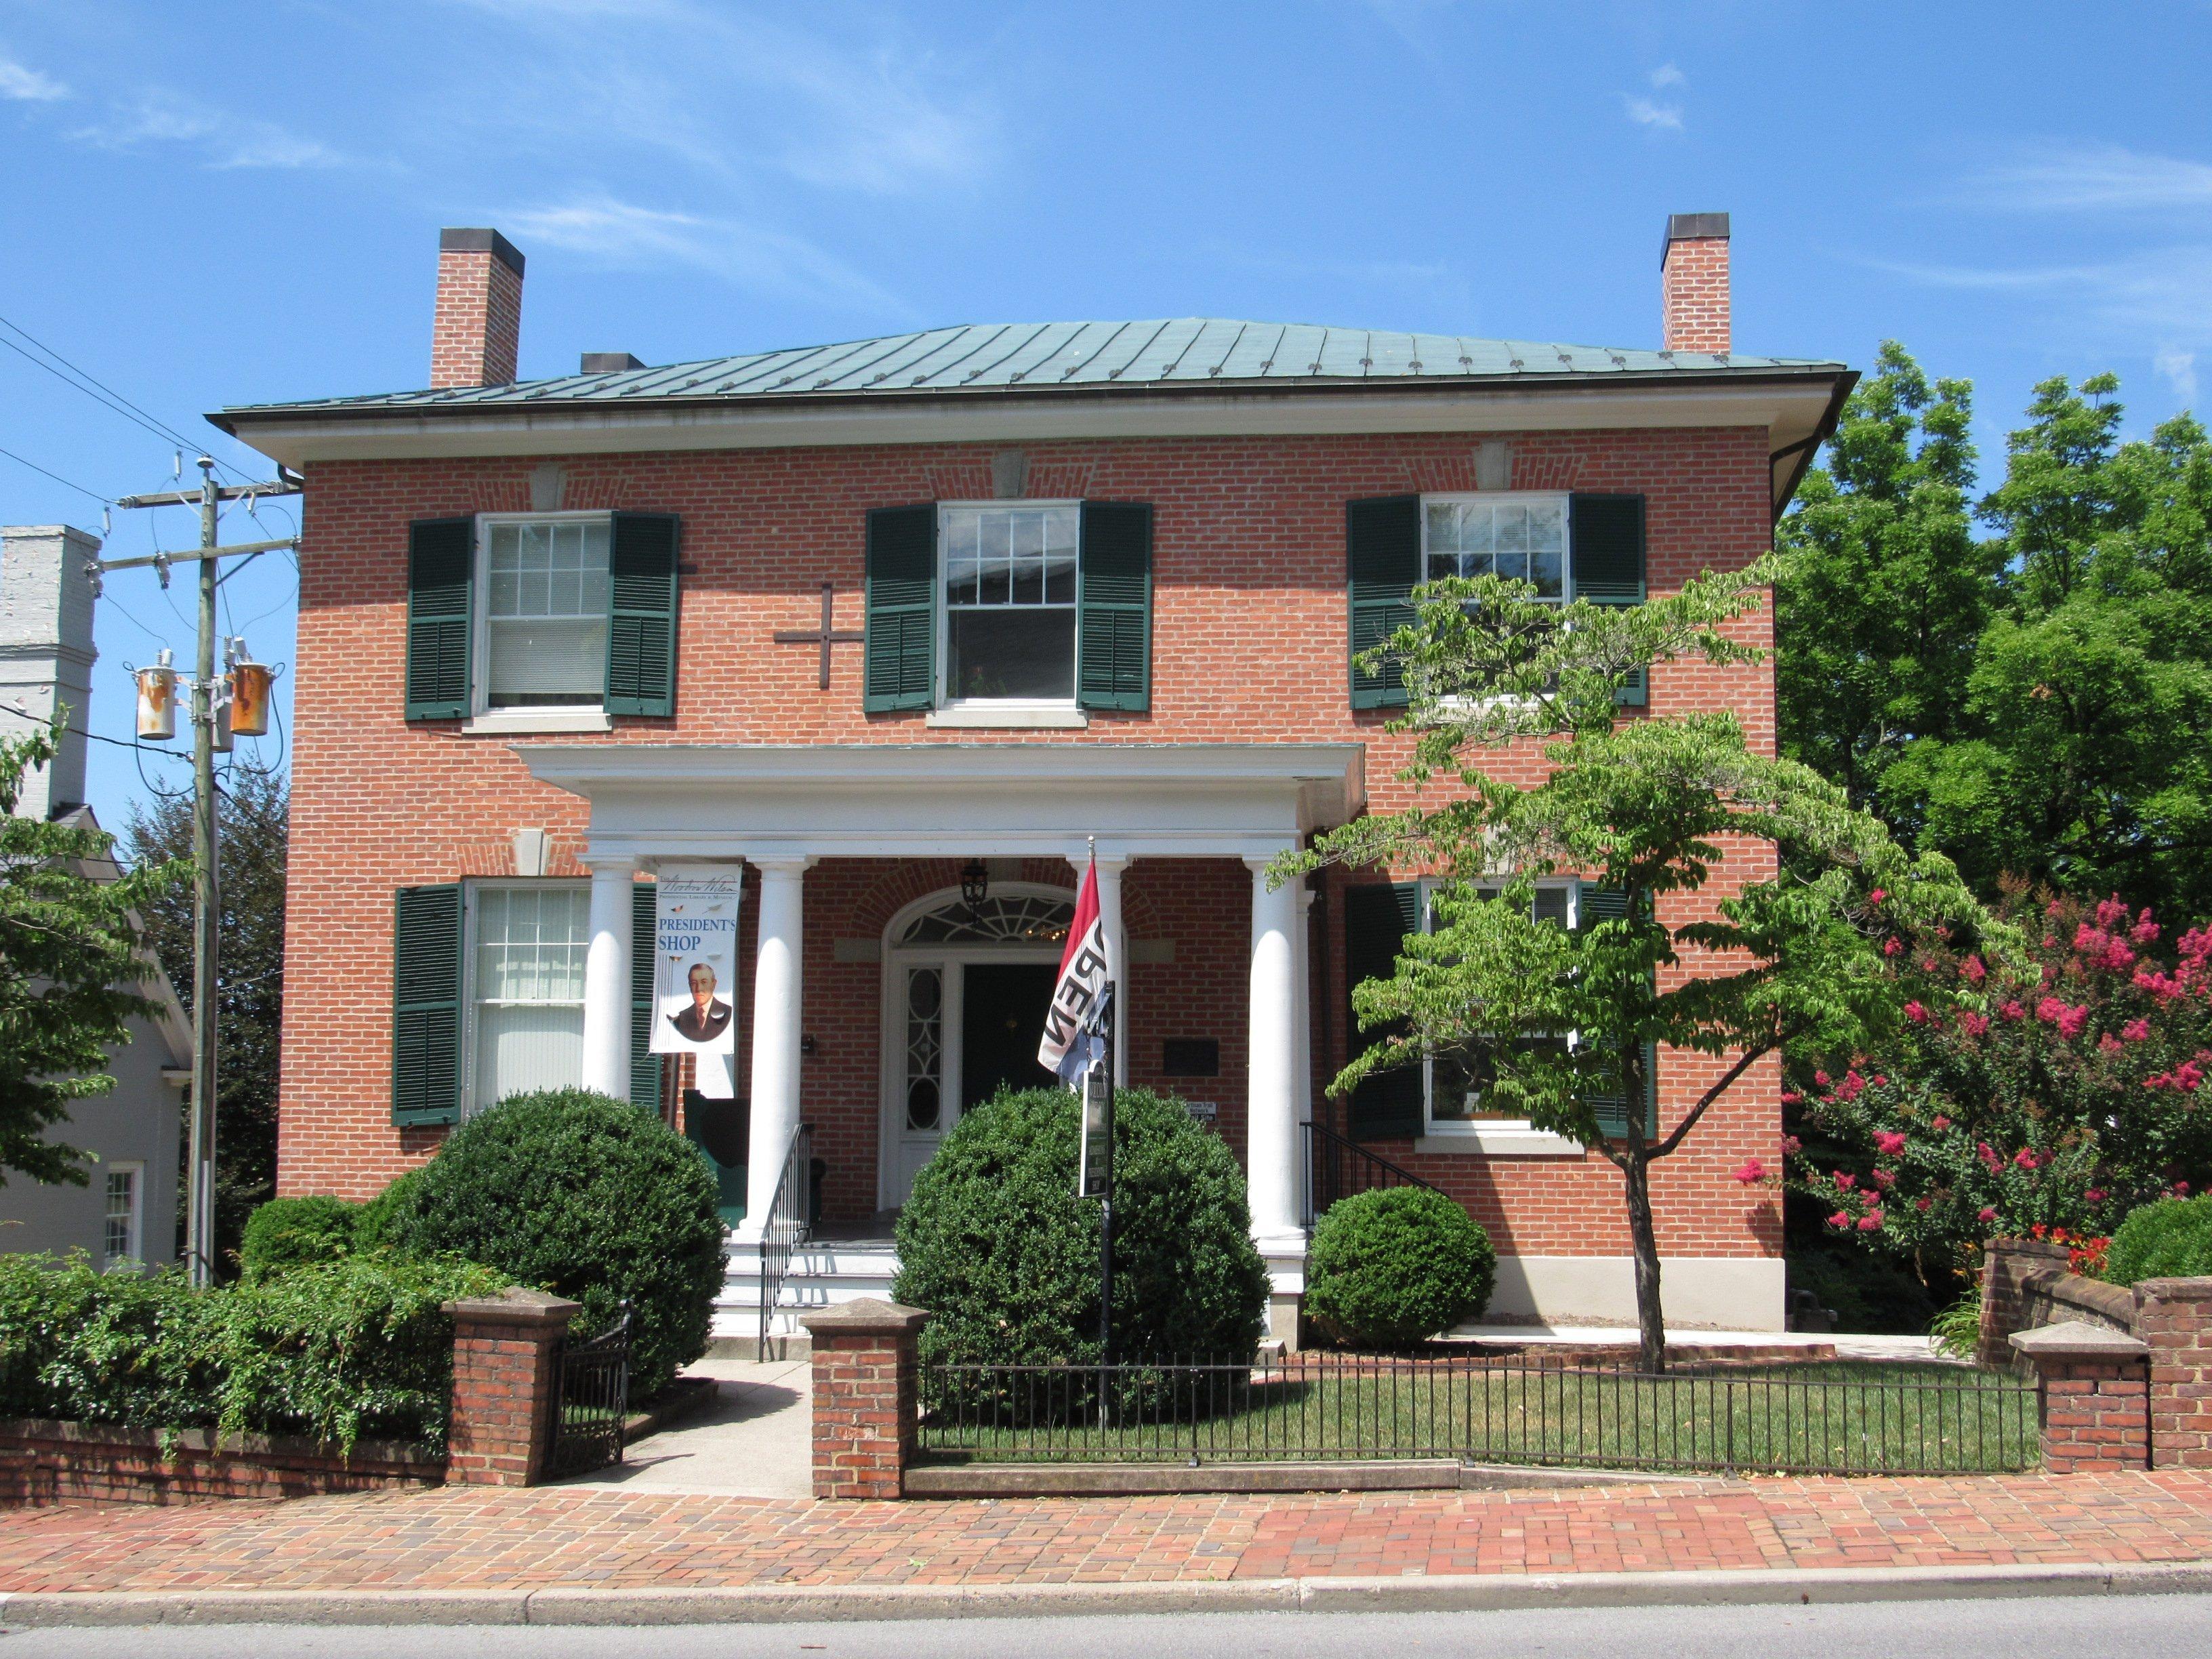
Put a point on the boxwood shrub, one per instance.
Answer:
(588, 1197)
(1396, 1266)
(997, 1246)
(2171, 1238)
(289, 1232)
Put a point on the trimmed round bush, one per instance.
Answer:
(2169, 1239)
(1395, 1267)
(997, 1246)
(585, 1196)
(291, 1233)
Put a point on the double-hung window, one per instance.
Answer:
(541, 621)
(1009, 609)
(1457, 1086)
(1522, 537)
(527, 942)
(123, 1215)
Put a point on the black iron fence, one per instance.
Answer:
(591, 1397)
(1338, 1168)
(786, 1226)
(1825, 1418)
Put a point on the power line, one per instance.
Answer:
(78, 730)
(56, 477)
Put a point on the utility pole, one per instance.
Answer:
(209, 697)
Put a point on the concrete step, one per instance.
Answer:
(823, 1273)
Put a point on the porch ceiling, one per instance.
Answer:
(865, 800)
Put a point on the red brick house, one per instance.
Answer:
(1082, 579)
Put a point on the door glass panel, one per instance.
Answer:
(924, 1048)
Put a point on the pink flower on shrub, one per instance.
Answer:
(1791, 1146)
(1892, 947)
(2145, 931)
(2167, 987)
(1883, 1179)
(1851, 1087)
(1990, 1161)
(1820, 1079)
(1870, 1222)
(1972, 1023)
(1845, 1181)
(1791, 1097)
(1989, 1213)
(1840, 1221)
(2136, 1031)
(2069, 1020)
(1750, 1171)
(1972, 968)
(2181, 1189)
(1877, 895)
(2109, 1044)
(2012, 1010)
(2111, 912)
(2094, 1195)
(1939, 1123)
(2027, 1159)
(1922, 1203)
(1888, 1142)
(2195, 944)
(1916, 1012)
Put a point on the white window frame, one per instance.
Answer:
(1507, 498)
(1043, 710)
(471, 892)
(586, 715)
(1511, 1138)
(136, 1254)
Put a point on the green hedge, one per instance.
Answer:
(1396, 1266)
(339, 1350)
(2171, 1238)
(996, 1245)
(584, 1195)
(289, 1232)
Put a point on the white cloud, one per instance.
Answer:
(2178, 368)
(26, 85)
(2085, 178)
(752, 256)
(225, 140)
(1666, 75)
(1649, 112)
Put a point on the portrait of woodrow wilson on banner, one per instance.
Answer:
(707, 1015)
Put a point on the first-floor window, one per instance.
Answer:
(1458, 1084)
(1010, 602)
(527, 993)
(119, 1239)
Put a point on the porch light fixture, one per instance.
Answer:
(974, 885)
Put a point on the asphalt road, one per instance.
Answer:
(2097, 1627)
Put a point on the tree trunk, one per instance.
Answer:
(1650, 1325)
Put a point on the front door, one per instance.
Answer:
(1002, 1022)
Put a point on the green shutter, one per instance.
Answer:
(644, 1068)
(1387, 1106)
(1606, 539)
(1113, 607)
(441, 561)
(1593, 904)
(1383, 565)
(641, 603)
(426, 1005)
(901, 647)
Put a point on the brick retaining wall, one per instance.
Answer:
(44, 1461)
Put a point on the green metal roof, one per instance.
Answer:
(1003, 356)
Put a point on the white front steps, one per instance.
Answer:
(824, 1273)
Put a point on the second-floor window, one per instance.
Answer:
(544, 583)
(1521, 537)
(1010, 593)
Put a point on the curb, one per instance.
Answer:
(1460, 1593)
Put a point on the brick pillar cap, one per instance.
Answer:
(2077, 1339)
(2042, 1247)
(515, 1305)
(865, 1316)
(2172, 1290)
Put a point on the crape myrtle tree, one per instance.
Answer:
(70, 963)
(1561, 1021)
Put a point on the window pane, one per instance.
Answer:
(120, 1241)
(1552, 905)
(1028, 653)
(525, 1046)
(1547, 548)
(1444, 526)
(531, 943)
(545, 613)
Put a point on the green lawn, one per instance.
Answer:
(1843, 1416)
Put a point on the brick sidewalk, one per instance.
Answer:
(478, 1539)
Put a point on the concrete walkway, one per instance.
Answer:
(754, 1441)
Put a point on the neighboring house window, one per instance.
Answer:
(527, 988)
(544, 583)
(1523, 537)
(1009, 602)
(121, 1241)
(1456, 1086)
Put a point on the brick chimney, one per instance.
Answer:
(479, 316)
(1693, 283)
(45, 653)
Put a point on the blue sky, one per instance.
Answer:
(234, 201)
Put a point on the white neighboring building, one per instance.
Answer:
(127, 1210)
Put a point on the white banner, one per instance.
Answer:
(695, 960)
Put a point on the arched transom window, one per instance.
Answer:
(1018, 919)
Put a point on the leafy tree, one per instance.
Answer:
(69, 952)
(1647, 807)
(251, 839)
(1878, 615)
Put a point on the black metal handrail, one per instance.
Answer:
(1335, 1164)
(784, 1227)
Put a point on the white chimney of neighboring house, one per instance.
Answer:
(1693, 283)
(479, 324)
(45, 652)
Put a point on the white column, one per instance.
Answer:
(1302, 1036)
(776, 966)
(1271, 1068)
(1117, 958)
(606, 979)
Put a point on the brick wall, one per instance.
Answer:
(2175, 1316)
(1693, 289)
(50, 1462)
(1249, 645)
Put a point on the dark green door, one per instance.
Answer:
(1003, 1006)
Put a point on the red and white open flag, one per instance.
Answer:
(1072, 1044)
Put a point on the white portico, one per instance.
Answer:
(784, 808)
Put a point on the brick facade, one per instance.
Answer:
(1249, 645)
